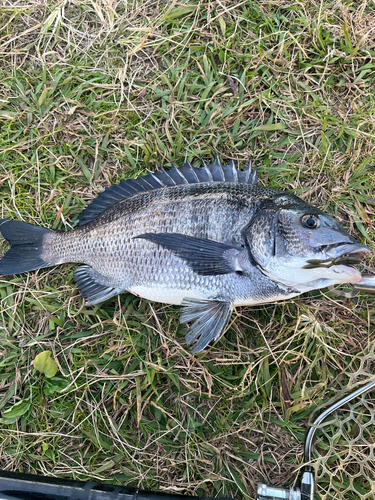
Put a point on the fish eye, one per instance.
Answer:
(310, 221)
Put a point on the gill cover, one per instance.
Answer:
(261, 234)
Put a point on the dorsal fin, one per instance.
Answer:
(187, 174)
(248, 176)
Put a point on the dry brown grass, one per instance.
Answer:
(95, 91)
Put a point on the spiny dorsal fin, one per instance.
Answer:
(187, 174)
(248, 176)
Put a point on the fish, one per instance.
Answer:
(208, 238)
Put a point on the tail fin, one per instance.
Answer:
(26, 251)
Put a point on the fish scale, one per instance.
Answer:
(141, 266)
(207, 238)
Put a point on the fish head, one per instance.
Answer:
(302, 247)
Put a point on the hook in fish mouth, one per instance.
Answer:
(344, 259)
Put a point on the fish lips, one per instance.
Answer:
(351, 249)
(341, 259)
(345, 256)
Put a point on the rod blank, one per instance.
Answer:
(19, 486)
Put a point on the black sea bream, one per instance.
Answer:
(208, 238)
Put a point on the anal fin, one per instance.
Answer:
(209, 319)
(93, 286)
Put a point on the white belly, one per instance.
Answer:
(166, 295)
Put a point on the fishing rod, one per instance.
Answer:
(19, 486)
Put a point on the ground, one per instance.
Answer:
(95, 91)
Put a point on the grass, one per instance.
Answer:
(92, 92)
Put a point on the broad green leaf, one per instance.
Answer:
(17, 410)
(55, 384)
(45, 364)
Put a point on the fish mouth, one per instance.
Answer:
(344, 255)
(341, 249)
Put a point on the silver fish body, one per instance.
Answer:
(216, 212)
(209, 239)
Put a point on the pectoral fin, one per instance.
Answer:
(209, 319)
(205, 257)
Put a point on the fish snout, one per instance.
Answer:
(351, 249)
